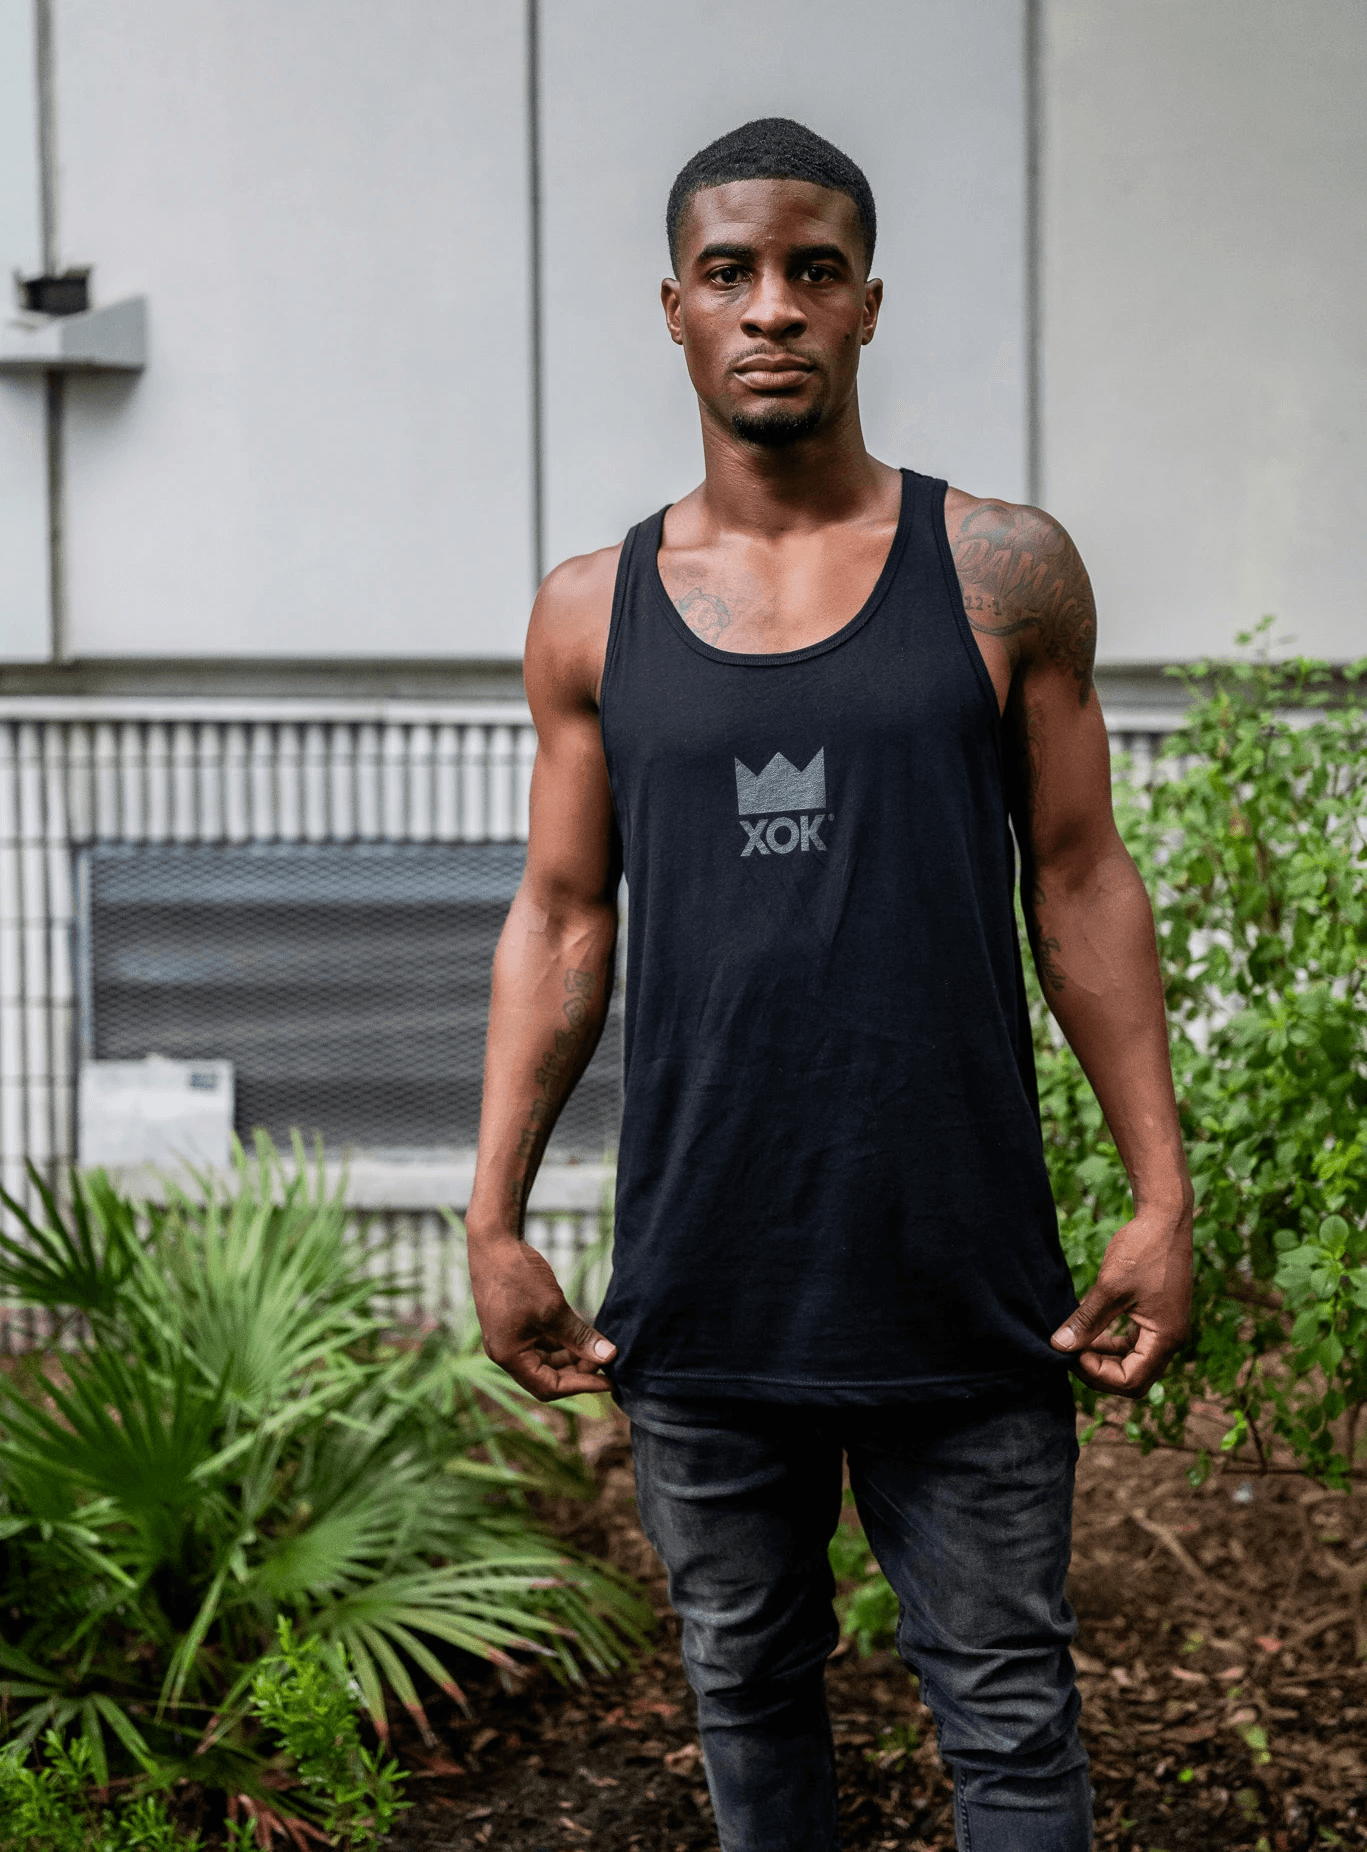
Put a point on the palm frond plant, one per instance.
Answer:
(229, 1436)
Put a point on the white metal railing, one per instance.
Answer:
(1139, 736)
(75, 771)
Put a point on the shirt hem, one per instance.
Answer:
(726, 1385)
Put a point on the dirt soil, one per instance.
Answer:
(1224, 1695)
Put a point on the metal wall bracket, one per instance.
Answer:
(109, 340)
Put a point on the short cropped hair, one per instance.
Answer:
(770, 148)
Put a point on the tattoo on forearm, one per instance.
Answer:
(1021, 573)
(1045, 947)
(1046, 960)
(704, 613)
(554, 1077)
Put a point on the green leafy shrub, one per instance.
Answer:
(303, 1698)
(1251, 836)
(226, 1436)
(53, 1806)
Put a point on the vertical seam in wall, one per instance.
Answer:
(55, 420)
(55, 393)
(534, 286)
(1034, 136)
(47, 131)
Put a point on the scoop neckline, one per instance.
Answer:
(773, 659)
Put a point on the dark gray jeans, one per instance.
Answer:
(967, 1506)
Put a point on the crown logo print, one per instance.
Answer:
(781, 786)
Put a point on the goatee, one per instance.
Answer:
(776, 428)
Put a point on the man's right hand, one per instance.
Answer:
(530, 1329)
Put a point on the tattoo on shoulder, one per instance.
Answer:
(704, 613)
(1021, 574)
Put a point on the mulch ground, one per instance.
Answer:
(1224, 1695)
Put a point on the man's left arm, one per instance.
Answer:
(1092, 934)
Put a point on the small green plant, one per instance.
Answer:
(867, 1606)
(54, 1805)
(870, 1616)
(895, 1742)
(1250, 1806)
(1256, 1738)
(306, 1699)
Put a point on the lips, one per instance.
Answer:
(772, 371)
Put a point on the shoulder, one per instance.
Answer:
(1024, 584)
(996, 534)
(568, 633)
(578, 589)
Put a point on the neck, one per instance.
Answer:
(827, 476)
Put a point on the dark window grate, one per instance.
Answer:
(348, 983)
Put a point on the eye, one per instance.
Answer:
(819, 273)
(727, 274)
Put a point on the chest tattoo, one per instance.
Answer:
(704, 613)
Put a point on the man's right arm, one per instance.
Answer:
(552, 979)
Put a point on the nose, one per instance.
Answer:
(773, 310)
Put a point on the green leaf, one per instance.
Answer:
(1306, 1329)
(1331, 1351)
(1334, 1233)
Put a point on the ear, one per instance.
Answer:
(671, 298)
(873, 302)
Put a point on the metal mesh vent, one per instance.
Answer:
(347, 982)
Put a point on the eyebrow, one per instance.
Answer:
(802, 253)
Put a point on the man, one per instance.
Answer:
(803, 709)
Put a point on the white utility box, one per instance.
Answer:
(108, 340)
(157, 1112)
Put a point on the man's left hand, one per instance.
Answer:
(1146, 1277)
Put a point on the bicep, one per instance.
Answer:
(1063, 751)
(573, 855)
(1062, 796)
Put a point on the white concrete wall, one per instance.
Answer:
(25, 605)
(1204, 318)
(325, 203)
(927, 95)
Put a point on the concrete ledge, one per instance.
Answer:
(212, 679)
(228, 708)
(419, 1186)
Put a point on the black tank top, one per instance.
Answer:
(831, 1181)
